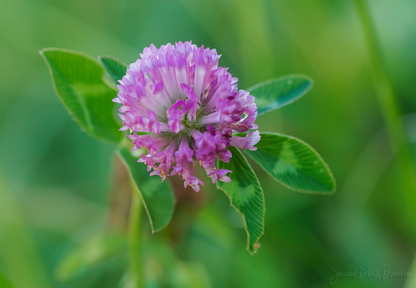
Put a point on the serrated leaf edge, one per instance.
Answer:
(317, 154)
(242, 215)
(41, 52)
(279, 79)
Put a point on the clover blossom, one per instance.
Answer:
(179, 105)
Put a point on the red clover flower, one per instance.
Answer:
(180, 106)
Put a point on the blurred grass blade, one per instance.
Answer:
(157, 196)
(89, 254)
(390, 102)
(114, 67)
(20, 257)
(78, 82)
(4, 283)
(246, 196)
(276, 93)
(411, 281)
(293, 163)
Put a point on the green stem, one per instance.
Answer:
(134, 237)
(390, 110)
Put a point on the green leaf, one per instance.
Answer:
(78, 82)
(246, 196)
(114, 67)
(90, 253)
(157, 196)
(276, 93)
(293, 163)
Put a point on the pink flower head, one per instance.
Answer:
(189, 107)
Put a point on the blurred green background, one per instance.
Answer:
(64, 196)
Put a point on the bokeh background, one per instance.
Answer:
(63, 192)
